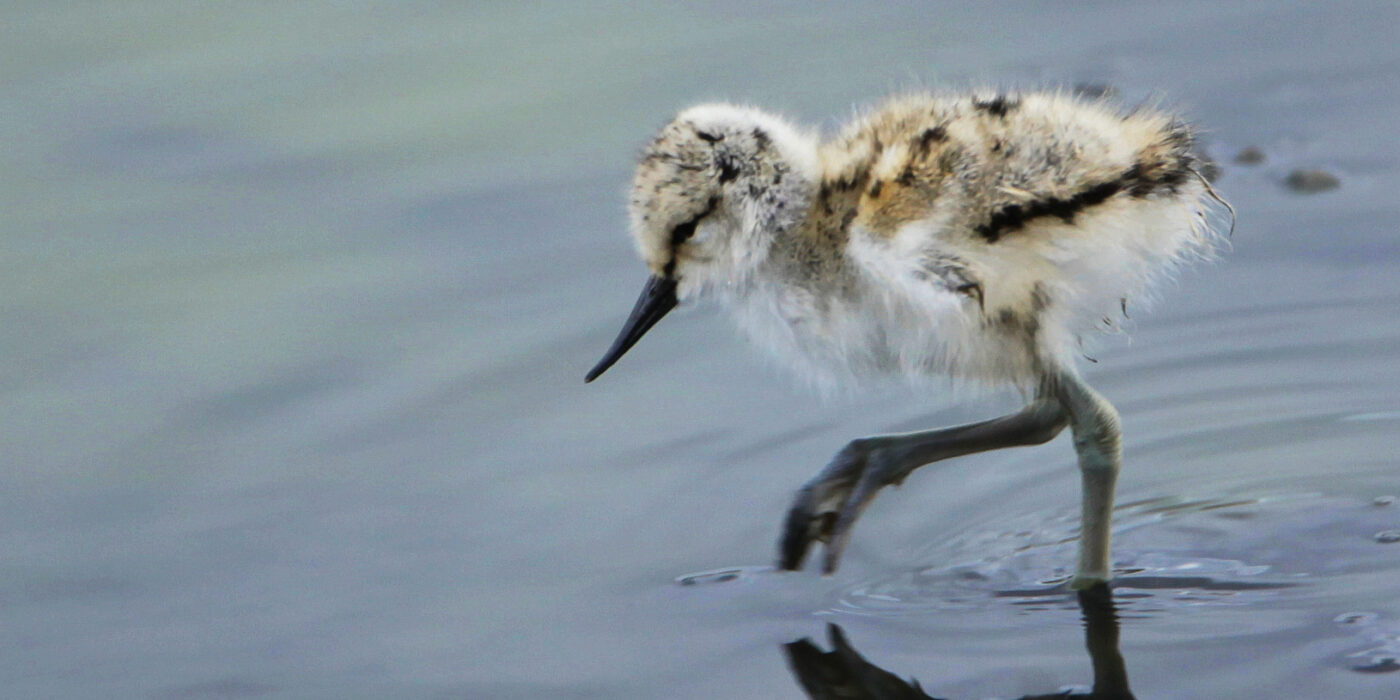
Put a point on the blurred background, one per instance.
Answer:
(298, 298)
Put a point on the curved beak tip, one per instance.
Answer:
(657, 299)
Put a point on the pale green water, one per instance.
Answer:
(297, 303)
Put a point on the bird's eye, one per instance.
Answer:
(728, 169)
(683, 232)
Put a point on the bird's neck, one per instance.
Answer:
(810, 250)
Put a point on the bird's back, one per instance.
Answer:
(981, 234)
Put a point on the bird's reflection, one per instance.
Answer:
(843, 674)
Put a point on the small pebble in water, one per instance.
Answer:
(1310, 181)
(1353, 618)
(1251, 155)
(720, 576)
(1382, 665)
(1383, 501)
(1388, 536)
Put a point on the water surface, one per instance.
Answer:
(298, 300)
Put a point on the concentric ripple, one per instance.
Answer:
(1169, 551)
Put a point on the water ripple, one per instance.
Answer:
(1172, 552)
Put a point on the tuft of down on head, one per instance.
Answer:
(714, 189)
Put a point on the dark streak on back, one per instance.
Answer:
(1139, 181)
(937, 134)
(1014, 216)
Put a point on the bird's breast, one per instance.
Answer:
(873, 331)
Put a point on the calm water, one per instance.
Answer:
(298, 301)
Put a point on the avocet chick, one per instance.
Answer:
(971, 236)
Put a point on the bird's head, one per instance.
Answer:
(713, 191)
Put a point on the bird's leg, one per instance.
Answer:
(826, 507)
(1097, 440)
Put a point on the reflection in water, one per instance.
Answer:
(843, 674)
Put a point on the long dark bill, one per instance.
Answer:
(658, 298)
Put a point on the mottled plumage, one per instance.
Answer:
(970, 236)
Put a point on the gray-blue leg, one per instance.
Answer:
(1098, 442)
(827, 507)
